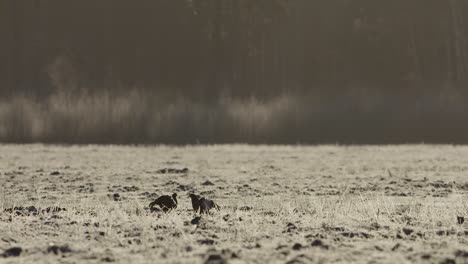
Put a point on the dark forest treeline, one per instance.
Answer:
(385, 65)
(242, 47)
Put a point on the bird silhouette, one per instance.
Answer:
(165, 202)
(202, 204)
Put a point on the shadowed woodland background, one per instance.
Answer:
(223, 71)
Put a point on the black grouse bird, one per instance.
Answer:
(202, 204)
(165, 202)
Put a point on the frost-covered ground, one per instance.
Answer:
(280, 204)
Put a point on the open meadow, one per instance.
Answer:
(279, 204)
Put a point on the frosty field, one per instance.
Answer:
(279, 204)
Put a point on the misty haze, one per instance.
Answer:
(114, 71)
(233, 131)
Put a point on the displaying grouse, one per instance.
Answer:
(165, 202)
(202, 204)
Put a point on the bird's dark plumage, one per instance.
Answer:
(195, 201)
(165, 202)
(206, 205)
(202, 204)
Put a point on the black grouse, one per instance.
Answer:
(202, 204)
(165, 202)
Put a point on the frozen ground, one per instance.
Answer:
(280, 204)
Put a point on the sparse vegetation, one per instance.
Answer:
(284, 204)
